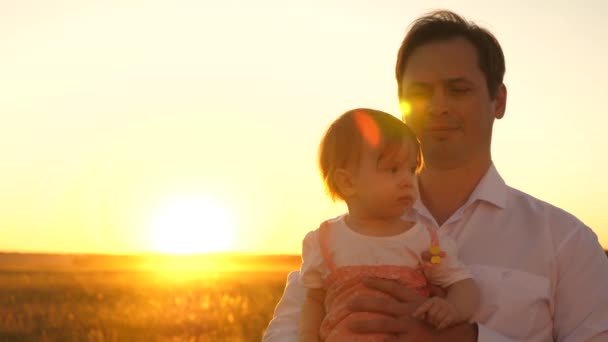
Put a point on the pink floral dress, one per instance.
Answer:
(336, 258)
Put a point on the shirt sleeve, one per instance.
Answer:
(581, 298)
(313, 266)
(450, 269)
(284, 324)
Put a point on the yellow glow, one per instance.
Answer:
(192, 225)
(406, 109)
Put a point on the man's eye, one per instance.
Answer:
(460, 90)
(417, 95)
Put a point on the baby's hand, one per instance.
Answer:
(438, 312)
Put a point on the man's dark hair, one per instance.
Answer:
(445, 25)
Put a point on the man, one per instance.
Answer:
(542, 273)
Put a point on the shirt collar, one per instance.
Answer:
(491, 188)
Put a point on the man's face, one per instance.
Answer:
(450, 109)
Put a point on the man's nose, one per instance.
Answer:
(437, 103)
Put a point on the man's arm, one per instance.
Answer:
(284, 325)
(581, 299)
(312, 315)
(399, 309)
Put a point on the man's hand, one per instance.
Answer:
(399, 308)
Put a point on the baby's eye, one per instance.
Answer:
(394, 169)
(413, 169)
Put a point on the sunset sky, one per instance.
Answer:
(192, 126)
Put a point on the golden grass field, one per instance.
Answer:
(151, 298)
(100, 298)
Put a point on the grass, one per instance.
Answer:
(100, 301)
(137, 305)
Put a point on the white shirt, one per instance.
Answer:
(542, 273)
(404, 249)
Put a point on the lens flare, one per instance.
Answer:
(406, 109)
(368, 128)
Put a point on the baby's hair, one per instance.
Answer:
(344, 140)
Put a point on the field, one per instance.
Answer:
(94, 298)
(152, 298)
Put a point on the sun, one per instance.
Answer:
(192, 225)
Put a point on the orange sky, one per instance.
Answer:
(133, 126)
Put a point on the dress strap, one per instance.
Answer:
(327, 256)
(433, 234)
(434, 246)
(436, 253)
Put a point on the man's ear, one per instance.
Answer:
(345, 182)
(500, 105)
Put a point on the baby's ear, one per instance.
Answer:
(345, 182)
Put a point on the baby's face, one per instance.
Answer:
(388, 182)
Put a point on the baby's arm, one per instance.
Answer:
(464, 296)
(459, 305)
(312, 314)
